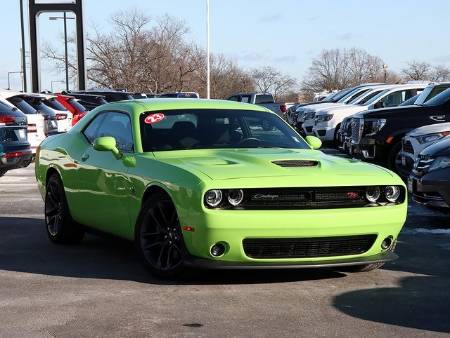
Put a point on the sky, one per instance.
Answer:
(286, 34)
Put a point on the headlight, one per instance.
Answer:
(374, 126)
(324, 117)
(213, 198)
(440, 163)
(373, 194)
(392, 193)
(432, 137)
(235, 197)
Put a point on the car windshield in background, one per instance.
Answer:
(372, 97)
(439, 99)
(215, 129)
(261, 99)
(4, 108)
(343, 93)
(25, 107)
(436, 91)
(77, 105)
(43, 109)
(53, 103)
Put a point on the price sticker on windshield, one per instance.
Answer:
(154, 118)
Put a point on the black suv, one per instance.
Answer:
(89, 101)
(15, 150)
(377, 134)
(429, 182)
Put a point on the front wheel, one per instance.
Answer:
(395, 161)
(60, 226)
(159, 239)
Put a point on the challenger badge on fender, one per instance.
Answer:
(154, 118)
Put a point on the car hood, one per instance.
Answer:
(345, 109)
(440, 148)
(222, 164)
(430, 129)
(386, 112)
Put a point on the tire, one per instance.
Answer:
(158, 237)
(394, 161)
(3, 172)
(60, 226)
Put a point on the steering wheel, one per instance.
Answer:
(249, 142)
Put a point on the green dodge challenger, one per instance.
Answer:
(216, 184)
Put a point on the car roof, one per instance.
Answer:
(141, 105)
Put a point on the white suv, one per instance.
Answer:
(328, 121)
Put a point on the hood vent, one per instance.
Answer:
(296, 163)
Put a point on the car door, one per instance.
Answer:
(106, 189)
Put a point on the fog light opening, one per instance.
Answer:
(387, 243)
(218, 249)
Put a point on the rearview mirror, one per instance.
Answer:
(314, 142)
(107, 143)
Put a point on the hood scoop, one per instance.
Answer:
(296, 163)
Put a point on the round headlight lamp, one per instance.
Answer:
(235, 197)
(373, 194)
(213, 198)
(392, 193)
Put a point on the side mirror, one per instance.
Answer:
(314, 142)
(107, 143)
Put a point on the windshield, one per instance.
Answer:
(214, 129)
(22, 105)
(342, 93)
(53, 103)
(371, 97)
(375, 97)
(78, 106)
(439, 99)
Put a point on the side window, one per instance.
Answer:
(394, 99)
(91, 131)
(233, 98)
(117, 125)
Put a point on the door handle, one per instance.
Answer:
(438, 118)
(84, 157)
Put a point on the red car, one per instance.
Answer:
(72, 104)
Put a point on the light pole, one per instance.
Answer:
(385, 67)
(208, 69)
(9, 82)
(66, 57)
(22, 33)
(52, 82)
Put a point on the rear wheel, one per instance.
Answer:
(159, 239)
(60, 226)
(3, 172)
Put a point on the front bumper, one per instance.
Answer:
(325, 131)
(308, 126)
(233, 226)
(223, 265)
(432, 189)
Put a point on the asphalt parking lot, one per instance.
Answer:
(99, 288)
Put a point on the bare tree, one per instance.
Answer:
(270, 80)
(417, 71)
(339, 68)
(440, 73)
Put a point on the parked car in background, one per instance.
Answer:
(36, 101)
(63, 116)
(36, 124)
(261, 99)
(328, 121)
(73, 105)
(89, 101)
(306, 114)
(180, 95)
(15, 151)
(417, 140)
(139, 95)
(377, 134)
(429, 182)
(108, 95)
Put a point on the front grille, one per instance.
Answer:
(357, 128)
(296, 163)
(423, 162)
(407, 147)
(304, 198)
(309, 129)
(261, 248)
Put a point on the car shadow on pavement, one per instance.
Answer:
(26, 248)
(420, 301)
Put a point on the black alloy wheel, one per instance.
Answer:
(59, 224)
(159, 238)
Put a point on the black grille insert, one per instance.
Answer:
(307, 247)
